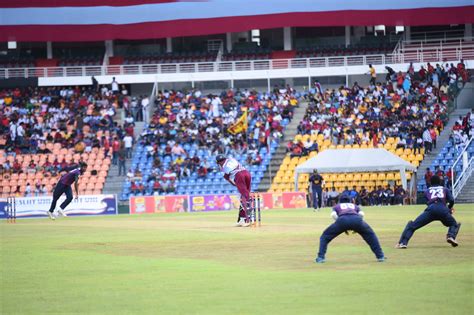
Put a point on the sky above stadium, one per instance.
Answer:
(86, 20)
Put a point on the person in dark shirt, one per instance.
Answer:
(374, 197)
(363, 197)
(440, 203)
(316, 182)
(428, 176)
(353, 194)
(387, 196)
(400, 195)
(348, 216)
(64, 187)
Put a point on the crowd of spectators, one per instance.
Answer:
(191, 119)
(378, 196)
(411, 106)
(75, 117)
(463, 130)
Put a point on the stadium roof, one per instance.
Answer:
(92, 20)
(354, 161)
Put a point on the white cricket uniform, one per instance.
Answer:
(231, 167)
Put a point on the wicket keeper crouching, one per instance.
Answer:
(238, 176)
(348, 217)
(436, 198)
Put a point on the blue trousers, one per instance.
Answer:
(434, 212)
(317, 194)
(58, 191)
(345, 223)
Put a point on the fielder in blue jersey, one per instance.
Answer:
(440, 203)
(348, 217)
(64, 187)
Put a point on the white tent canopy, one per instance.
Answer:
(355, 160)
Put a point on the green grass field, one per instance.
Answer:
(194, 263)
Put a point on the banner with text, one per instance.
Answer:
(84, 205)
(220, 202)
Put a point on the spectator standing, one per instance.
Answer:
(122, 157)
(115, 150)
(433, 135)
(373, 74)
(145, 102)
(427, 140)
(428, 176)
(128, 143)
(115, 86)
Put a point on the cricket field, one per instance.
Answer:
(198, 263)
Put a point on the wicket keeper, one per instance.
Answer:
(437, 196)
(64, 187)
(348, 217)
(238, 176)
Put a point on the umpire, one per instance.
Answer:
(348, 216)
(316, 182)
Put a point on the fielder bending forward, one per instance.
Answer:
(64, 187)
(348, 216)
(437, 196)
(238, 176)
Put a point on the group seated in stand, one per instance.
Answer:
(46, 129)
(377, 196)
(188, 129)
(404, 114)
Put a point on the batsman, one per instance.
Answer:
(238, 176)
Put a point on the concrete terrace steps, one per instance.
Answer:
(467, 193)
(113, 182)
(280, 153)
(440, 143)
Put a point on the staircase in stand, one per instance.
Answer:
(440, 143)
(280, 153)
(467, 193)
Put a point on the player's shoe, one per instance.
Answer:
(382, 259)
(245, 224)
(401, 246)
(51, 215)
(320, 260)
(61, 212)
(242, 223)
(452, 241)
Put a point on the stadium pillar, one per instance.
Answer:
(169, 45)
(468, 32)
(287, 38)
(49, 50)
(109, 48)
(348, 35)
(407, 32)
(228, 41)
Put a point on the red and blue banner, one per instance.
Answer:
(94, 20)
(27, 207)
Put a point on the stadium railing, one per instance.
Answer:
(433, 55)
(465, 164)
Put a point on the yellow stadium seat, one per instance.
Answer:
(365, 176)
(381, 176)
(390, 176)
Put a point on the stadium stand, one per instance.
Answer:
(442, 166)
(45, 131)
(398, 115)
(163, 164)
